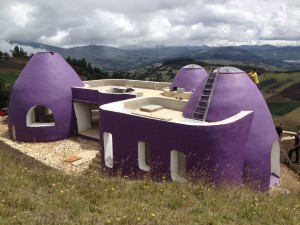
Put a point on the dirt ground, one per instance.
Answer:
(289, 182)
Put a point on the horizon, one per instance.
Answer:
(8, 45)
(149, 24)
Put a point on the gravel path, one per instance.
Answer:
(54, 154)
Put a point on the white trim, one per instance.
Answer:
(41, 124)
(167, 103)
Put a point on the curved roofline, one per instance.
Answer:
(192, 66)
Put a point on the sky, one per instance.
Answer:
(150, 23)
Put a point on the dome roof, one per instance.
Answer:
(235, 92)
(229, 70)
(46, 82)
(189, 77)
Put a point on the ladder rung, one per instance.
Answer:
(199, 113)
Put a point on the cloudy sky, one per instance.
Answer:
(151, 23)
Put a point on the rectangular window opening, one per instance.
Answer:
(144, 156)
(177, 166)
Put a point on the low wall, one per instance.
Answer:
(131, 83)
(172, 104)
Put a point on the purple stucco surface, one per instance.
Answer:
(235, 92)
(189, 77)
(46, 80)
(216, 151)
(98, 98)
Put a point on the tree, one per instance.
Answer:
(6, 56)
(19, 52)
(16, 51)
(89, 68)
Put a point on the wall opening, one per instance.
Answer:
(108, 149)
(144, 156)
(275, 158)
(87, 117)
(39, 116)
(177, 166)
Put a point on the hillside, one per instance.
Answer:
(274, 52)
(13, 65)
(113, 59)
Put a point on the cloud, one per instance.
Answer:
(151, 23)
(7, 47)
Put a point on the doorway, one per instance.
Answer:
(87, 117)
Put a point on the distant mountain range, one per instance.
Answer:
(113, 59)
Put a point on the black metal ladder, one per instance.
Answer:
(202, 106)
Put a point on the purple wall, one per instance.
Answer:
(218, 151)
(86, 95)
(235, 92)
(46, 80)
(98, 98)
(105, 98)
(189, 77)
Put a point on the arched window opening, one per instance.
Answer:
(108, 149)
(39, 116)
(275, 159)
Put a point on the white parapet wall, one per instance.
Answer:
(128, 83)
(165, 102)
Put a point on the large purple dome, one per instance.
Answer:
(189, 77)
(40, 107)
(235, 92)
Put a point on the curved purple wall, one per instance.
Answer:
(46, 80)
(189, 77)
(221, 163)
(234, 92)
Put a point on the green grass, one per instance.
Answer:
(31, 193)
(282, 108)
(9, 78)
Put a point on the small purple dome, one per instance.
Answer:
(40, 107)
(234, 92)
(189, 77)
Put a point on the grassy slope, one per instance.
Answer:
(283, 106)
(287, 80)
(10, 70)
(13, 65)
(8, 77)
(290, 121)
(33, 194)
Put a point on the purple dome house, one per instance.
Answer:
(189, 77)
(41, 107)
(233, 92)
